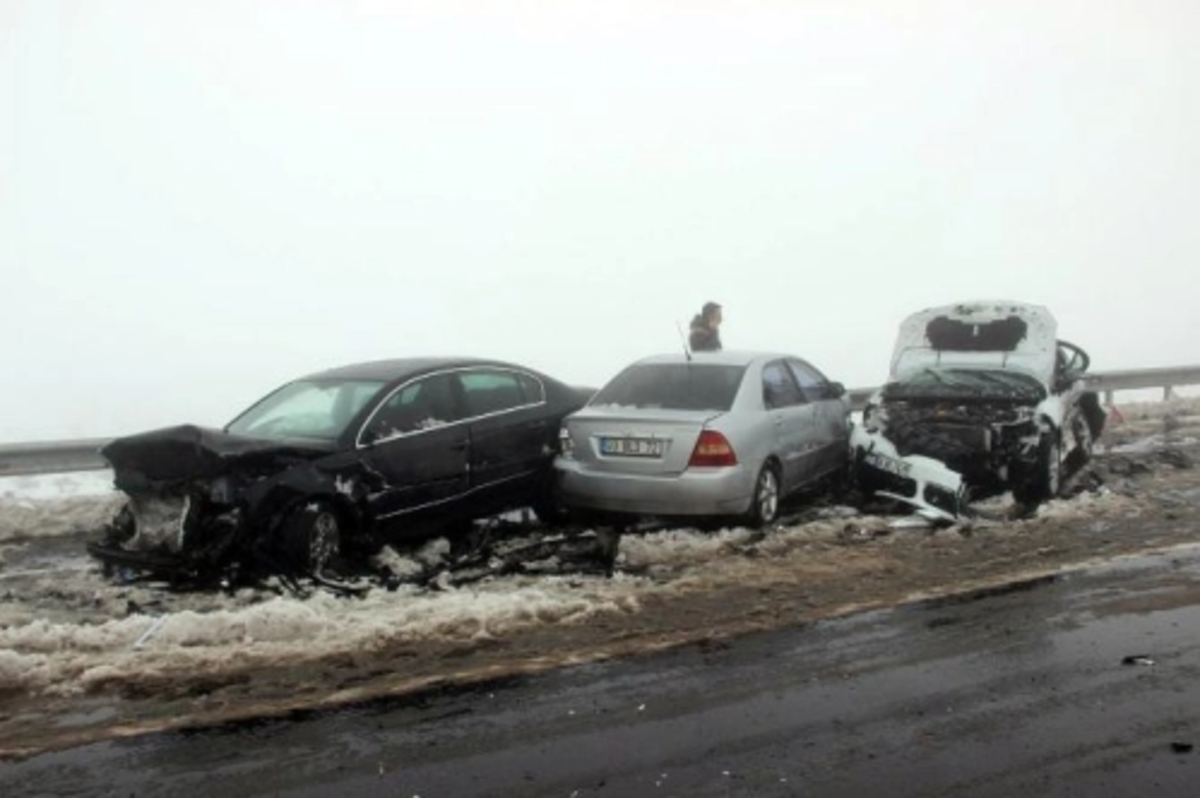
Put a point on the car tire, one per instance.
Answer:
(549, 508)
(764, 504)
(1045, 481)
(311, 538)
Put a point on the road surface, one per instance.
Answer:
(1082, 684)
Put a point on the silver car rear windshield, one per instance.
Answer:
(673, 386)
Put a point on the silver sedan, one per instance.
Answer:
(705, 434)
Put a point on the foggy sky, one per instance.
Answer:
(201, 200)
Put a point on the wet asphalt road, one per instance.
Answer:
(1084, 685)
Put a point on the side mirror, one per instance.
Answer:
(835, 390)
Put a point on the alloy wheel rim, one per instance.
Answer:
(1054, 470)
(324, 543)
(768, 495)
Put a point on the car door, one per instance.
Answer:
(418, 443)
(832, 415)
(794, 418)
(510, 429)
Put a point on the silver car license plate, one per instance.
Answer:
(632, 447)
(888, 464)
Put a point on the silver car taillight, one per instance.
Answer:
(566, 446)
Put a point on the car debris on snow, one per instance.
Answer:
(1137, 659)
(149, 633)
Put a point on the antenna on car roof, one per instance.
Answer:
(683, 340)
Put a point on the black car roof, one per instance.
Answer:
(402, 368)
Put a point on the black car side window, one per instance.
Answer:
(532, 388)
(491, 391)
(420, 405)
(779, 387)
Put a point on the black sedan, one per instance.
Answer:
(340, 460)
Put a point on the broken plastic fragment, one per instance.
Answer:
(1137, 659)
(917, 520)
(146, 635)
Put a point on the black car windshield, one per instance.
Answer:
(674, 386)
(313, 408)
(966, 383)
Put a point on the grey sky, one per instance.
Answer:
(200, 200)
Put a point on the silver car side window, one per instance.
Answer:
(811, 381)
(779, 386)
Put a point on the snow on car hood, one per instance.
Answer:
(984, 335)
(191, 452)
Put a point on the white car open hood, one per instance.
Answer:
(989, 335)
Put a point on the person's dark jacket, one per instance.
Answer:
(703, 338)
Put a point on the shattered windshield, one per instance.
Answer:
(967, 383)
(673, 386)
(318, 409)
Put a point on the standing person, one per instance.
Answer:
(706, 329)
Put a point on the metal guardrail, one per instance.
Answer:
(50, 457)
(1168, 378)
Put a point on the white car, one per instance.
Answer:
(981, 397)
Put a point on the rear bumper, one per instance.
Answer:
(696, 491)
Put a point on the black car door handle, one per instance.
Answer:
(458, 446)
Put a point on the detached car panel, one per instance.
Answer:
(982, 397)
(353, 456)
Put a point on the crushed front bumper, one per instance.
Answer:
(928, 485)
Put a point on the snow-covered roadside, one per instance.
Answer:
(50, 505)
(129, 633)
(67, 630)
(67, 658)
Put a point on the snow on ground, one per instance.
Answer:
(57, 486)
(98, 632)
(67, 657)
(66, 629)
(48, 505)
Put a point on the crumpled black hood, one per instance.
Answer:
(189, 452)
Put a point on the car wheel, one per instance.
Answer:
(549, 508)
(764, 506)
(1046, 480)
(311, 538)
